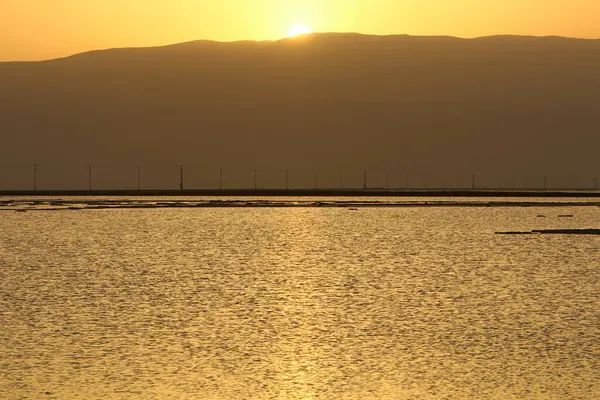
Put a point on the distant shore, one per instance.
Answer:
(311, 193)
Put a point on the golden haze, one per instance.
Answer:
(41, 29)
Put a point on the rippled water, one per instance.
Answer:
(299, 303)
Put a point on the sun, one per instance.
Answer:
(299, 29)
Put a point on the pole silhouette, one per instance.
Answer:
(181, 177)
(388, 179)
(139, 178)
(35, 177)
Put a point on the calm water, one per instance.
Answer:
(299, 303)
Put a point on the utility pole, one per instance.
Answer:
(90, 178)
(181, 177)
(287, 179)
(387, 179)
(35, 177)
(139, 178)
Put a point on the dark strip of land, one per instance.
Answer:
(590, 231)
(311, 193)
(90, 203)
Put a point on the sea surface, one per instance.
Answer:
(299, 303)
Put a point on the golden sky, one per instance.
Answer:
(42, 29)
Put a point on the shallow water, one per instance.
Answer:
(299, 303)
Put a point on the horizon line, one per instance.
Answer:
(300, 37)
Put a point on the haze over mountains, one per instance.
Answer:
(511, 109)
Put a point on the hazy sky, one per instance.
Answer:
(41, 29)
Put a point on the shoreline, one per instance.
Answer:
(572, 193)
(38, 204)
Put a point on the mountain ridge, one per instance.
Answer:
(505, 108)
(312, 37)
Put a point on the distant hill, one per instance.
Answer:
(509, 108)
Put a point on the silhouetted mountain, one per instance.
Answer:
(506, 107)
